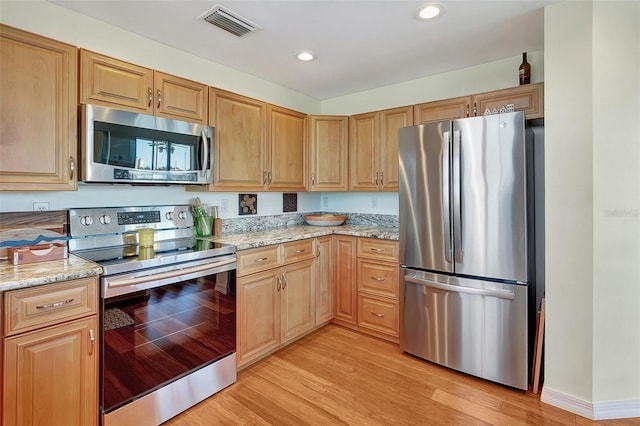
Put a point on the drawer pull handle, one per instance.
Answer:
(92, 339)
(55, 305)
(377, 278)
(379, 250)
(262, 259)
(377, 314)
(300, 251)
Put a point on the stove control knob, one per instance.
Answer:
(182, 215)
(169, 215)
(86, 220)
(105, 219)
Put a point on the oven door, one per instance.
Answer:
(161, 327)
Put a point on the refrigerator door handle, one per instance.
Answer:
(457, 205)
(446, 195)
(501, 294)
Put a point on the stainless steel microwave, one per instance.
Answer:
(126, 147)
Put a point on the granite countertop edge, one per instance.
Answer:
(36, 274)
(14, 277)
(253, 239)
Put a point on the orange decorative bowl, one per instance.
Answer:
(325, 220)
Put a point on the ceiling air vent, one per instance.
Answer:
(229, 21)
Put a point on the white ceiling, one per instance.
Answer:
(359, 44)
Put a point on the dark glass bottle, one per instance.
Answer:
(525, 70)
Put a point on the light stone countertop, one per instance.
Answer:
(33, 274)
(250, 240)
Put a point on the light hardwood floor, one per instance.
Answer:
(336, 376)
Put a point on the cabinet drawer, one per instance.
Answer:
(378, 249)
(258, 259)
(378, 278)
(295, 251)
(378, 314)
(32, 308)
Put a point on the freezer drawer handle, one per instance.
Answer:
(502, 294)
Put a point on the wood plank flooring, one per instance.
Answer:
(336, 376)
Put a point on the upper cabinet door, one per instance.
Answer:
(38, 110)
(118, 84)
(180, 99)
(390, 121)
(287, 150)
(528, 98)
(447, 109)
(328, 151)
(363, 144)
(240, 141)
(111, 82)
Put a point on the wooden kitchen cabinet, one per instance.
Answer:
(287, 159)
(38, 112)
(378, 288)
(258, 147)
(328, 153)
(114, 83)
(275, 297)
(258, 315)
(240, 141)
(298, 309)
(50, 354)
(346, 303)
(447, 109)
(373, 148)
(324, 280)
(528, 98)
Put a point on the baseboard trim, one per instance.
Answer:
(616, 409)
(595, 411)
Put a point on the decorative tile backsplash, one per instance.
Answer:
(247, 204)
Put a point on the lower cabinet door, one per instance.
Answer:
(298, 313)
(258, 329)
(51, 375)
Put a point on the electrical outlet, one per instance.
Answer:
(224, 206)
(374, 202)
(40, 207)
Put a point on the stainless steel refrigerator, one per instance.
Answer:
(465, 198)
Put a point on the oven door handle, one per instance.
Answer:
(209, 268)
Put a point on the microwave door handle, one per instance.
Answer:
(205, 157)
(108, 145)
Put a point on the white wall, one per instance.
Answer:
(50, 20)
(592, 133)
(568, 200)
(616, 204)
(466, 81)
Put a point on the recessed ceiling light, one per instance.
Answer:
(430, 11)
(306, 56)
